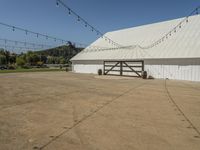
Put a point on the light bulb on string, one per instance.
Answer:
(57, 3)
(69, 12)
(78, 19)
(187, 20)
(174, 30)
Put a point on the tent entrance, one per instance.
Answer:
(124, 68)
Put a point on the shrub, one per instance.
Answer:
(26, 67)
(11, 67)
(99, 71)
(144, 74)
(67, 69)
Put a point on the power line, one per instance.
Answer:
(86, 24)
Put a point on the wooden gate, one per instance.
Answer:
(124, 68)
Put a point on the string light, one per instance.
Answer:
(19, 47)
(34, 33)
(25, 43)
(187, 20)
(57, 3)
(70, 11)
(93, 29)
(78, 18)
(174, 30)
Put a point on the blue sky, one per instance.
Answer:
(106, 15)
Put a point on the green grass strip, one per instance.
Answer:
(30, 70)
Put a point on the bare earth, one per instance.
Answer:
(66, 111)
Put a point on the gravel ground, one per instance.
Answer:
(67, 111)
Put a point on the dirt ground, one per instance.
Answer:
(67, 111)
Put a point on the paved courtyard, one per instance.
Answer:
(67, 111)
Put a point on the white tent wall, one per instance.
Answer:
(87, 66)
(179, 69)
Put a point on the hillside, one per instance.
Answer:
(62, 51)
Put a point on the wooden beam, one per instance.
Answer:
(111, 68)
(132, 69)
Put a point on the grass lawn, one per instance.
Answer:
(30, 70)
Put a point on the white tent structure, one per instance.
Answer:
(169, 49)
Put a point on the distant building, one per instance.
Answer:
(174, 55)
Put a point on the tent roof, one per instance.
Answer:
(184, 43)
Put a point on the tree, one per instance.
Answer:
(7, 54)
(62, 60)
(12, 59)
(43, 58)
(32, 58)
(50, 60)
(35, 59)
(20, 61)
(3, 60)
